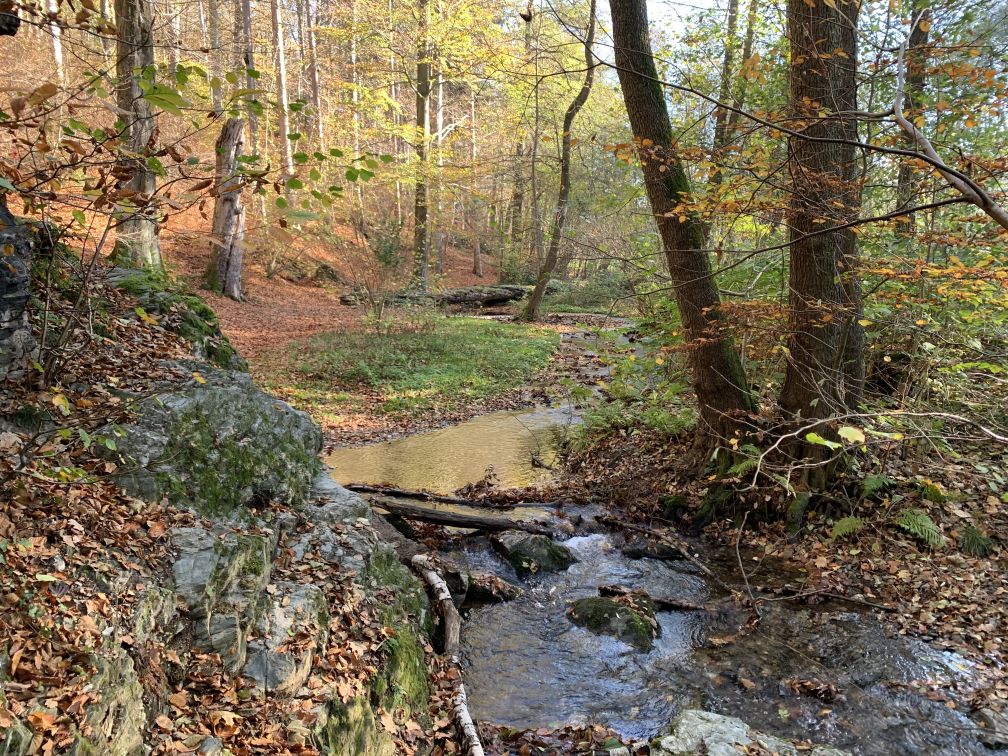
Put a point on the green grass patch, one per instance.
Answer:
(450, 362)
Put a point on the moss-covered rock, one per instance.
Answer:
(635, 625)
(530, 554)
(181, 312)
(352, 728)
(216, 442)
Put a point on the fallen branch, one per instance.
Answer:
(452, 627)
(401, 493)
(455, 519)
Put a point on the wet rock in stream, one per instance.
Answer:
(635, 624)
(703, 732)
(532, 554)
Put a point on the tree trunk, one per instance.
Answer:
(283, 105)
(251, 84)
(477, 242)
(316, 81)
(721, 114)
(137, 229)
(438, 238)
(174, 38)
(56, 32)
(228, 230)
(718, 378)
(531, 311)
(825, 369)
(916, 80)
(216, 98)
(421, 235)
(747, 51)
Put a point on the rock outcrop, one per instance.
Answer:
(216, 442)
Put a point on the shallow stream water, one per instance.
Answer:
(527, 666)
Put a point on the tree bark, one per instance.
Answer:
(137, 229)
(316, 81)
(216, 97)
(421, 232)
(228, 229)
(916, 80)
(283, 105)
(825, 369)
(477, 268)
(721, 114)
(56, 32)
(531, 311)
(718, 378)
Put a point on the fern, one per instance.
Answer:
(872, 484)
(847, 526)
(746, 465)
(919, 524)
(975, 543)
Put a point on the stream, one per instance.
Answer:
(824, 674)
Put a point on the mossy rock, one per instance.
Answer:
(532, 554)
(181, 312)
(352, 728)
(606, 616)
(217, 443)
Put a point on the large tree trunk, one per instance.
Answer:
(718, 379)
(531, 311)
(825, 370)
(228, 230)
(250, 82)
(916, 80)
(137, 229)
(283, 105)
(421, 232)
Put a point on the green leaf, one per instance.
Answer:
(851, 434)
(165, 98)
(43, 577)
(846, 526)
(815, 438)
(5, 184)
(919, 524)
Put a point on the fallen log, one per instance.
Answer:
(454, 519)
(401, 493)
(475, 296)
(452, 628)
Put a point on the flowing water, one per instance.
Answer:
(527, 666)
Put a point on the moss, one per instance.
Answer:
(607, 616)
(183, 313)
(539, 554)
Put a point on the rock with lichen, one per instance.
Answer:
(531, 554)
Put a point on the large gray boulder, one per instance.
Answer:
(213, 441)
(531, 554)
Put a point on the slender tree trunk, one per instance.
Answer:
(228, 229)
(283, 104)
(916, 81)
(56, 32)
(355, 102)
(174, 37)
(718, 378)
(531, 311)
(316, 79)
(216, 97)
(721, 114)
(477, 241)
(439, 239)
(254, 105)
(747, 51)
(106, 39)
(421, 233)
(825, 369)
(137, 230)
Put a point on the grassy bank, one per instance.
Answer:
(444, 363)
